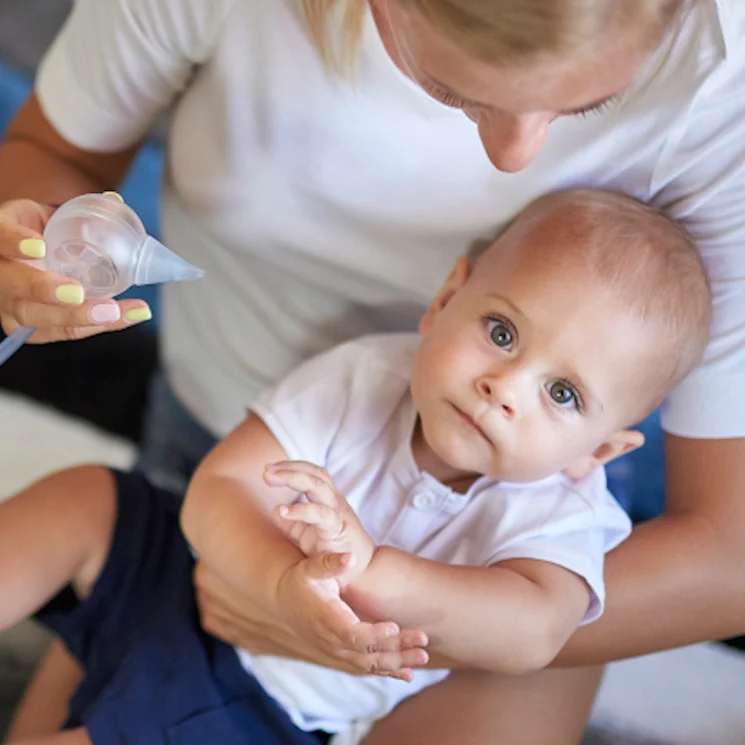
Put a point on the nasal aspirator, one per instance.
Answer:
(100, 242)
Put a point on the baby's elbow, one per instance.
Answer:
(538, 646)
(191, 518)
(187, 521)
(533, 660)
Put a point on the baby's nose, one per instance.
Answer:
(499, 394)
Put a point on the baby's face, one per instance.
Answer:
(525, 368)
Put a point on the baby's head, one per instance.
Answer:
(570, 328)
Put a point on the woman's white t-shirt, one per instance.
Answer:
(323, 209)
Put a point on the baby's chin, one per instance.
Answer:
(463, 467)
(463, 456)
(517, 473)
(461, 460)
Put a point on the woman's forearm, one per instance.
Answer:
(675, 581)
(37, 163)
(27, 172)
(678, 579)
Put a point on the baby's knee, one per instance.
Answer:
(77, 484)
(89, 491)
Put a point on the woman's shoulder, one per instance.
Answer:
(712, 32)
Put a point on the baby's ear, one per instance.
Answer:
(456, 279)
(615, 446)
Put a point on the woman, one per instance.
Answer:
(322, 171)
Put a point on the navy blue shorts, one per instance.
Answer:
(152, 675)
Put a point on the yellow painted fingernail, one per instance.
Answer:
(34, 248)
(114, 194)
(70, 294)
(138, 314)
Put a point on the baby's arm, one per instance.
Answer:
(226, 512)
(511, 618)
(227, 519)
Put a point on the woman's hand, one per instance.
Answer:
(54, 304)
(369, 648)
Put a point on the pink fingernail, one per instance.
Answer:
(108, 313)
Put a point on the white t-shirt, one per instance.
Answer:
(322, 210)
(350, 411)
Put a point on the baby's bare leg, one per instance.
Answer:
(44, 706)
(71, 737)
(471, 708)
(56, 532)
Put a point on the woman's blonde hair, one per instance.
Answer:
(495, 30)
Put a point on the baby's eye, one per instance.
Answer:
(562, 394)
(501, 334)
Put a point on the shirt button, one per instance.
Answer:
(423, 501)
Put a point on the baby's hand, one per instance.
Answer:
(325, 524)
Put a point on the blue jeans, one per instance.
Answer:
(174, 443)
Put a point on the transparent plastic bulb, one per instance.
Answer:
(98, 241)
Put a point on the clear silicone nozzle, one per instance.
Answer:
(157, 264)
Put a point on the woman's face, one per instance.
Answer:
(512, 105)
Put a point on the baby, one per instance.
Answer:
(431, 500)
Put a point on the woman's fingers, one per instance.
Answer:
(88, 313)
(22, 283)
(30, 297)
(377, 648)
(385, 654)
(384, 637)
(383, 649)
(88, 320)
(22, 223)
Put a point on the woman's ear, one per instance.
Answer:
(456, 279)
(618, 444)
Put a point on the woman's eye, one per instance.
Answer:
(501, 334)
(562, 394)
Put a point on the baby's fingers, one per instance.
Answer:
(317, 489)
(323, 517)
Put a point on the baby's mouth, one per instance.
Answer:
(471, 422)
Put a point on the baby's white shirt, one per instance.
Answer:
(350, 411)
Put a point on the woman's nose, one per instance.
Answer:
(512, 142)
